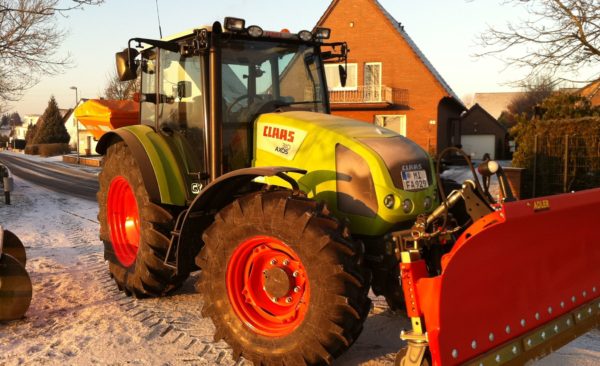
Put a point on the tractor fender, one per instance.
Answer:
(215, 196)
(162, 176)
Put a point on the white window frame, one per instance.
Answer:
(339, 87)
(380, 121)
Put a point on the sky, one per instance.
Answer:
(445, 30)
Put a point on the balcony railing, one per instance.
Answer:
(365, 94)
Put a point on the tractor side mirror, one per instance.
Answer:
(126, 66)
(343, 75)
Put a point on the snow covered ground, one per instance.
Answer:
(77, 317)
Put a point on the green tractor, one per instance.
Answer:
(237, 169)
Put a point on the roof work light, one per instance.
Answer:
(322, 33)
(255, 31)
(305, 35)
(235, 24)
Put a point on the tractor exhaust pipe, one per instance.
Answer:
(214, 130)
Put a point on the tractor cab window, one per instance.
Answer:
(260, 77)
(174, 105)
(147, 107)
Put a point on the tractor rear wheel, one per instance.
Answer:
(134, 230)
(282, 281)
(13, 246)
(15, 288)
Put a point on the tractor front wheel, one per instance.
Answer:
(282, 281)
(134, 230)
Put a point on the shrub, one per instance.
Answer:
(53, 149)
(19, 144)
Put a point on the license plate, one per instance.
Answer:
(414, 180)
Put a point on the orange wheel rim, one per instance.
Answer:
(123, 221)
(267, 286)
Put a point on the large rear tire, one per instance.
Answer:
(283, 282)
(134, 230)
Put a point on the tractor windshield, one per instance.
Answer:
(259, 73)
(261, 77)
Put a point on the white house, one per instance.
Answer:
(28, 119)
(87, 144)
(5, 131)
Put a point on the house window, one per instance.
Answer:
(372, 79)
(394, 122)
(333, 77)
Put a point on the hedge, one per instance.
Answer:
(53, 149)
(32, 149)
(576, 139)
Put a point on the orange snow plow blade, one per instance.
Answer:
(519, 283)
(15, 284)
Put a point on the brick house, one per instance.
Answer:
(390, 81)
(592, 92)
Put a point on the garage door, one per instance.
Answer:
(477, 145)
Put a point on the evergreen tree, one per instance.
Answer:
(4, 120)
(51, 128)
(30, 134)
(15, 119)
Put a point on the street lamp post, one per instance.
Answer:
(76, 122)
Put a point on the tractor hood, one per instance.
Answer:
(357, 165)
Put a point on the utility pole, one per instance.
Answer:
(76, 122)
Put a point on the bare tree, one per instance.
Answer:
(558, 36)
(524, 105)
(29, 42)
(120, 90)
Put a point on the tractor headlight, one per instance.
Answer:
(255, 31)
(407, 206)
(428, 203)
(234, 24)
(322, 33)
(305, 35)
(389, 201)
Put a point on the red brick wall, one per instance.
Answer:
(373, 38)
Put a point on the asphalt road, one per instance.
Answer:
(53, 176)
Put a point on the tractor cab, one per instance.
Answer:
(206, 87)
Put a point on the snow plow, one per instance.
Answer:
(292, 214)
(15, 285)
(519, 282)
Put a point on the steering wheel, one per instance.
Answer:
(237, 100)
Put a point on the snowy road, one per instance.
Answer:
(52, 174)
(78, 317)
